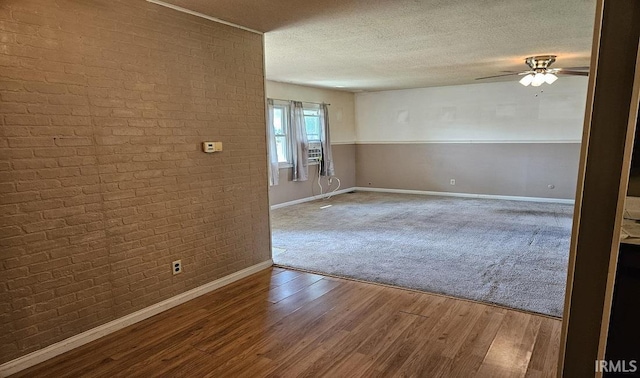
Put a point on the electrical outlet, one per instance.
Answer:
(176, 267)
(452, 181)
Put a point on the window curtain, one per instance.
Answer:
(300, 143)
(326, 164)
(272, 153)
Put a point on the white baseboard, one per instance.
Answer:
(73, 342)
(467, 195)
(313, 198)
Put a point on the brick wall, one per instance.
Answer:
(103, 106)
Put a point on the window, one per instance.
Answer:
(312, 123)
(281, 132)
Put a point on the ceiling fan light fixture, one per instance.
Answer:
(550, 78)
(540, 71)
(526, 80)
(538, 79)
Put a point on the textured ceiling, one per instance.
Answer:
(378, 45)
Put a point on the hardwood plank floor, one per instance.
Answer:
(285, 323)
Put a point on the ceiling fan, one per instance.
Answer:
(540, 72)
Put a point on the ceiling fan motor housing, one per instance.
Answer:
(539, 66)
(540, 63)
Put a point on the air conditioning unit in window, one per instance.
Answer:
(315, 152)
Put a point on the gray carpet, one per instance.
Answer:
(504, 252)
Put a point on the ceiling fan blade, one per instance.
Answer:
(584, 68)
(491, 77)
(576, 73)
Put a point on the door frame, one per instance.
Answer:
(613, 99)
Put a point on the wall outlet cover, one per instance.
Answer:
(176, 267)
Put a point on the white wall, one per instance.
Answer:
(487, 112)
(341, 111)
(382, 123)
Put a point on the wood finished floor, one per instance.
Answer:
(285, 323)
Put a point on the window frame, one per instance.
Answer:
(286, 128)
(316, 110)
